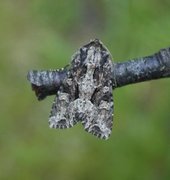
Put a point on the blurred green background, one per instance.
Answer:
(41, 34)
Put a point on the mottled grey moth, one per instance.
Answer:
(86, 93)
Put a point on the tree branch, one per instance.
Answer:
(156, 66)
(143, 69)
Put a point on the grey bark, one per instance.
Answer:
(156, 66)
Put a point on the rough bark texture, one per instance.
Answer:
(143, 69)
(152, 67)
(46, 83)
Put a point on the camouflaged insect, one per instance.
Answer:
(86, 94)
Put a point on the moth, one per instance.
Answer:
(85, 95)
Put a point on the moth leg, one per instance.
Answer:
(59, 113)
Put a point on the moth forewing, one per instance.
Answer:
(86, 95)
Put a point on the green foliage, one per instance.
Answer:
(41, 34)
